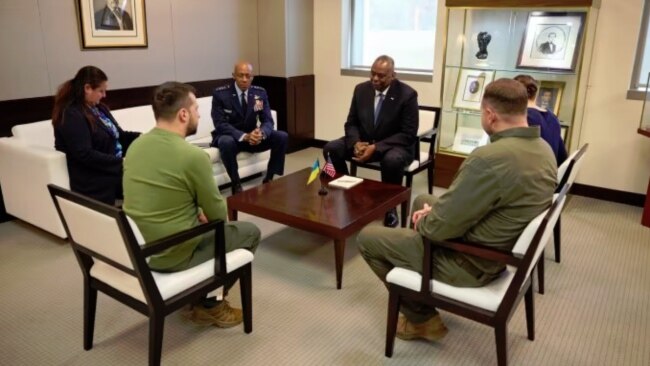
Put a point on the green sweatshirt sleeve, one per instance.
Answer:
(208, 197)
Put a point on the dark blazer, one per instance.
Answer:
(93, 168)
(398, 119)
(229, 118)
(105, 19)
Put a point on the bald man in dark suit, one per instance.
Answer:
(382, 126)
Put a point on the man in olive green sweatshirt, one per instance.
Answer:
(168, 188)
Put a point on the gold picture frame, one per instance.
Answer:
(549, 95)
(551, 41)
(112, 23)
(470, 86)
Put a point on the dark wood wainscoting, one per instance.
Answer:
(446, 168)
(293, 99)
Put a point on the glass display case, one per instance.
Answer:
(488, 40)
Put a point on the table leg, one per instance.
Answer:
(339, 251)
(405, 212)
(645, 219)
(232, 215)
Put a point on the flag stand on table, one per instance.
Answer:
(315, 172)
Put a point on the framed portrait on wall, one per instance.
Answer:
(112, 23)
(551, 41)
(470, 87)
(549, 95)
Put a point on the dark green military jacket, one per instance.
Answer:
(499, 189)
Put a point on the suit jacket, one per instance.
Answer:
(93, 168)
(228, 117)
(398, 118)
(105, 19)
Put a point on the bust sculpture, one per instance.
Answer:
(483, 39)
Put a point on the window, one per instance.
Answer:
(642, 63)
(402, 29)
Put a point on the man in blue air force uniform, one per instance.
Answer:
(243, 122)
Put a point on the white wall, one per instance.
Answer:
(618, 158)
(286, 37)
(188, 40)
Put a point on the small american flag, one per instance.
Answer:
(329, 168)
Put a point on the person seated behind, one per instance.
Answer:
(382, 126)
(495, 194)
(168, 188)
(236, 110)
(93, 142)
(545, 119)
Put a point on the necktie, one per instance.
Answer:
(244, 105)
(378, 107)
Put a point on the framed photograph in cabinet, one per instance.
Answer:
(112, 23)
(467, 139)
(549, 95)
(551, 41)
(470, 87)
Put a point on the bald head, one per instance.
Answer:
(243, 74)
(382, 72)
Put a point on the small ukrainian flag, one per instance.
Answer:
(315, 170)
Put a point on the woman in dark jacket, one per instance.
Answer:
(93, 142)
(548, 122)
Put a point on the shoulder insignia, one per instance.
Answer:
(223, 87)
(257, 87)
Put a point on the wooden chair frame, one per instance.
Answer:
(155, 307)
(567, 178)
(521, 286)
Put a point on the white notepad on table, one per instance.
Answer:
(345, 182)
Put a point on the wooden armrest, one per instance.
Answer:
(428, 134)
(167, 242)
(468, 248)
(175, 239)
(478, 250)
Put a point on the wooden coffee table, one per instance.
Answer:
(339, 214)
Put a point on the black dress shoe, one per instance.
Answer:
(236, 188)
(390, 219)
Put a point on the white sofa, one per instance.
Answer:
(28, 162)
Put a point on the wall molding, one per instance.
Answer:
(606, 194)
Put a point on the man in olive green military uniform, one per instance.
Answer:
(499, 189)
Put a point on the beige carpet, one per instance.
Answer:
(596, 310)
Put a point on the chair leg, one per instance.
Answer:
(245, 286)
(540, 273)
(430, 178)
(90, 307)
(353, 169)
(391, 323)
(404, 215)
(409, 180)
(530, 312)
(556, 238)
(501, 334)
(156, 327)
